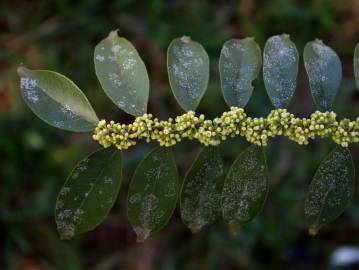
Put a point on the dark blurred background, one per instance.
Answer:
(36, 158)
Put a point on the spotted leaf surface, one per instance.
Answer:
(56, 100)
(89, 193)
(239, 65)
(122, 74)
(202, 189)
(324, 71)
(153, 192)
(188, 71)
(356, 65)
(245, 187)
(330, 190)
(280, 69)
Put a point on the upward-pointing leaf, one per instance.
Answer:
(201, 190)
(280, 69)
(330, 190)
(239, 65)
(188, 71)
(324, 70)
(245, 187)
(56, 100)
(122, 74)
(153, 192)
(356, 65)
(89, 193)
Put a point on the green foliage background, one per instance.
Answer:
(35, 158)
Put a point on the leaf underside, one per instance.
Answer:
(331, 189)
(356, 65)
(122, 74)
(239, 64)
(201, 190)
(56, 100)
(153, 193)
(188, 71)
(89, 193)
(245, 187)
(280, 69)
(324, 71)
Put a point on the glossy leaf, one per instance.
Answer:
(356, 65)
(89, 193)
(188, 71)
(245, 187)
(202, 189)
(324, 71)
(153, 192)
(56, 100)
(239, 65)
(280, 69)
(122, 74)
(331, 189)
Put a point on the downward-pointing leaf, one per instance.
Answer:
(89, 193)
(331, 189)
(201, 190)
(356, 65)
(188, 71)
(280, 69)
(122, 74)
(239, 65)
(245, 187)
(324, 70)
(56, 100)
(153, 192)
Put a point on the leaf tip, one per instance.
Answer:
(313, 231)
(21, 70)
(142, 233)
(113, 34)
(66, 231)
(186, 39)
(318, 41)
(285, 35)
(195, 227)
(233, 228)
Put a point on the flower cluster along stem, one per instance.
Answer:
(256, 130)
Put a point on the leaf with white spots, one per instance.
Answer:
(153, 192)
(356, 65)
(56, 100)
(122, 74)
(239, 65)
(188, 71)
(202, 189)
(331, 189)
(280, 69)
(245, 187)
(324, 71)
(89, 193)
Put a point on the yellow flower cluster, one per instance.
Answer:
(232, 123)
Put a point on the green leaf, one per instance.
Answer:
(153, 192)
(56, 100)
(202, 189)
(280, 69)
(245, 187)
(356, 65)
(188, 71)
(239, 65)
(122, 74)
(88, 193)
(331, 189)
(324, 71)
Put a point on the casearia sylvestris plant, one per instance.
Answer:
(207, 190)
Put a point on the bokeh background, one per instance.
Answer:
(36, 158)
